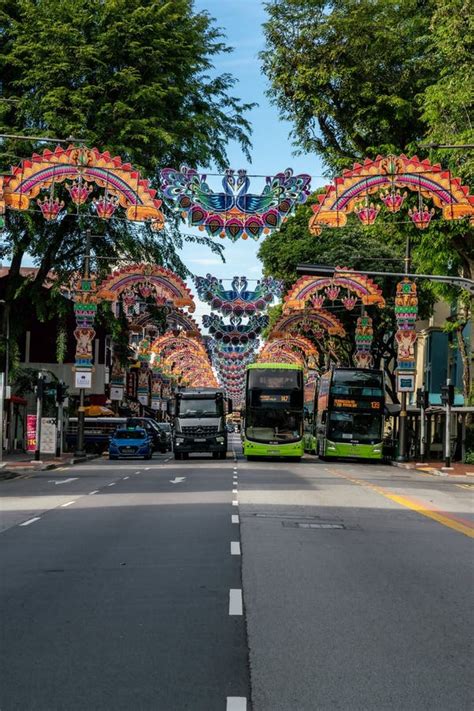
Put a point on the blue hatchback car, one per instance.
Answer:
(130, 443)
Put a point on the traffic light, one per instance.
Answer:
(61, 392)
(422, 399)
(447, 394)
(39, 389)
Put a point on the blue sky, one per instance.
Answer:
(241, 22)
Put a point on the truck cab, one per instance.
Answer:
(199, 421)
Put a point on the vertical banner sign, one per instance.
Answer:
(30, 433)
(48, 435)
(406, 312)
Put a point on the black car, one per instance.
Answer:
(166, 428)
(156, 434)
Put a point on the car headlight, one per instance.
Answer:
(331, 446)
(220, 440)
(179, 440)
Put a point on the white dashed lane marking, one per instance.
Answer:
(236, 703)
(234, 548)
(68, 504)
(30, 520)
(235, 601)
(235, 503)
(235, 518)
(96, 491)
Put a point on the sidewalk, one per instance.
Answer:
(437, 468)
(17, 463)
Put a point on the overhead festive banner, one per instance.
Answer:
(238, 300)
(406, 312)
(90, 173)
(235, 212)
(354, 190)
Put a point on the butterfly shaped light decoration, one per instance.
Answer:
(234, 212)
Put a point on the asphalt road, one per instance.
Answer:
(123, 589)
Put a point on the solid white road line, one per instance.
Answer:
(236, 703)
(96, 491)
(30, 520)
(235, 601)
(235, 518)
(68, 504)
(235, 503)
(234, 548)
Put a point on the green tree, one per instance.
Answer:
(346, 74)
(129, 76)
(447, 104)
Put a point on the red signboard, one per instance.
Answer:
(30, 433)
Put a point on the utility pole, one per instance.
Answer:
(39, 406)
(80, 412)
(447, 399)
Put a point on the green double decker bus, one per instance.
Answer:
(273, 422)
(349, 413)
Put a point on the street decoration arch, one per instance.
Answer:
(87, 169)
(388, 176)
(177, 319)
(238, 300)
(290, 343)
(151, 280)
(235, 212)
(319, 288)
(304, 320)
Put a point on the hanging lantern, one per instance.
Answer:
(393, 200)
(105, 206)
(50, 208)
(79, 191)
(366, 213)
(349, 302)
(333, 292)
(421, 216)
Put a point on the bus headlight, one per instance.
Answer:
(220, 440)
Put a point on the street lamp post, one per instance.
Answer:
(4, 384)
(402, 427)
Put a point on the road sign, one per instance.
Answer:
(406, 382)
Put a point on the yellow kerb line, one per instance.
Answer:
(441, 518)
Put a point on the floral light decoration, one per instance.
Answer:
(364, 336)
(406, 312)
(238, 300)
(235, 212)
(84, 169)
(386, 177)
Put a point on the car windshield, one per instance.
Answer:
(130, 434)
(165, 426)
(198, 408)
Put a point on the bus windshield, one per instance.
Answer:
(355, 426)
(269, 425)
(357, 382)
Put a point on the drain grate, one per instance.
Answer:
(306, 524)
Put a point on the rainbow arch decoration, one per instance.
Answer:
(178, 319)
(303, 320)
(85, 168)
(166, 286)
(308, 288)
(290, 344)
(388, 177)
(235, 212)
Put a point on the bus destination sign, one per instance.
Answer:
(350, 404)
